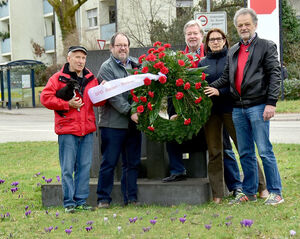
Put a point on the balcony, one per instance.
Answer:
(4, 11)
(48, 9)
(107, 30)
(49, 43)
(5, 46)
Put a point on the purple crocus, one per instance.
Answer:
(27, 213)
(292, 233)
(7, 214)
(46, 212)
(55, 228)
(153, 222)
(146, 229)
(182, 219)
(89, 222)
(57, 214)
(88, 228)
(207, 226)
(58, 178)
(68, 231)
(2, 181)
(50, 228)
(228, 223)
(13, 190)
(133, 220)
(119, 228)
(246, 222)
(26, 208)
(49, 180)
(43, 177)
(37, 174)
(14, 183)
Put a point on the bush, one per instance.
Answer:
(43, 73)
(291, 89)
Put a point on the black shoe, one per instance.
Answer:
(236, 192)
(174, 178)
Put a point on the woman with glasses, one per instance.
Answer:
(216, 47)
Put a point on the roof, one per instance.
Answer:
(20, 63)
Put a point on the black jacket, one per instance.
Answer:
(261, 79)
(216, 62)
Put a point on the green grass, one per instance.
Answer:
(288, 106)
(21, 161)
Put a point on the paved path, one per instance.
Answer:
(37, 124)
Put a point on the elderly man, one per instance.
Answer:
(253, 73)
(74, 127)
(119, 135)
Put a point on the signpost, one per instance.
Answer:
(101, 44)
(211, 20)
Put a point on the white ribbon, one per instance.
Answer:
(118, 86)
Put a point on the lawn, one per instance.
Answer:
(22, 214)
(288, 106)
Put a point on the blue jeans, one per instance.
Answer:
(231, 171)
(175, 158)
(116, 142)
(75, 156)
(251, 128)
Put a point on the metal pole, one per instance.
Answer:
(8, 89)
(208, 5)
(2, 86)
(281, 48)
(245, 3)
(32, 88)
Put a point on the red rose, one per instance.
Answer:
(162, 79)
(132, 92)
(190, 57)
(156, 51)
(135, 99)
(141, 58)
(198, 56)
(136, 72)
(145, 69)
(149, 106)
(161, 49)
(147, 81)
(151, 128)
(167, 45)
(158, 43)
(151, 94)
(187, 121)
(140, 109)
(150, 50)
(182, 52)
(161, 55)
(164, 70)
(198, 85)
(143, 99)
(197, 101)
(187, 86)
(158, 65)
(179, 82)
(203, 76)
(181, 62)
(179, 95)
(194, 65)
(151, 57)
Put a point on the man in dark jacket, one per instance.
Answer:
(253, 73)
(119, 135)
(74, 127)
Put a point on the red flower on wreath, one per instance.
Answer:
(187, 121)
(198, 85)
(179, 95)
(147, 81)
(197, 101)
(164, 70)
(151, 57)
(159, 65)
(162, 79)
(135, 99)
(149, 106)
(161, 49)
(132, 92)
(141, 58)
(190, 57)
(151, 50)
(187, 86)
(198, 56)
(151, 128)
(143, 99)
(136, 72)
(203, 76)
(181, 62)
(194, 65)
(158, 43)
(145, 69)
(151, 94)
(140, 109)
(161, 55)
(179, 82)
(167, 45)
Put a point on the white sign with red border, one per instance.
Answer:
(211, 20)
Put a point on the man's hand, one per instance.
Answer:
(211, 91)
(135, 117)
(269, 112)
(76, 103)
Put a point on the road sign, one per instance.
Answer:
(211, 20)
(101, 44)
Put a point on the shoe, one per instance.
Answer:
(70, 209)
(274, 199)
(241, 197)
(174, 178)
(217, 200)
(103, 205)
(264, 194)
(236, 192)
(83, 207)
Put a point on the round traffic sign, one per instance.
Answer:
(203, 19)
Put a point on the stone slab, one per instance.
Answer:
(191, 191)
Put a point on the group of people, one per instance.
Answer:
(243, 85)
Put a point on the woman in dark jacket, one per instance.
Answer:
(216, 47)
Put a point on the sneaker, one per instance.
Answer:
(174, 178)
(274, 199)
(241, 197)
(70, 209)
(264, 194)
(236, 192)
(103, 205)
(83, 207)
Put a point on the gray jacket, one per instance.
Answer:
(116, 112)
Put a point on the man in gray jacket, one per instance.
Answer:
(119, 135)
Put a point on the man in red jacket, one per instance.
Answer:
(74, 127)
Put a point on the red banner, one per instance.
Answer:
(263, 6)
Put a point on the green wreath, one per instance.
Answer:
(180, 82)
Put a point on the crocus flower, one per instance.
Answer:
(13, 190)
(57, 178)
(50, 228)
(57, 214)
(153, 222)
(43, 177)
(7, 214)
(2, 181)
(114, 215)
(55, 228)
(49, 180)
(119, 228)
(27, 213)
(292, 232)
(105, 219)
(89, 222)
(26, 207)
(88, 228)
(182, 220)
(246, 222)
(207, 226)
(14, 183)
(228, 223)
(68, 231)
(46, 212)
(146, 229)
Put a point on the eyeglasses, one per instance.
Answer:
(218, 39)
(120, 46)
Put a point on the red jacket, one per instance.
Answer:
(75, 122)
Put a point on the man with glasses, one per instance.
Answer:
(119, 136)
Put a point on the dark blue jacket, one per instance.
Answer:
(216, 63)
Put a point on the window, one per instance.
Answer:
(112, 14)
(92, 18)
